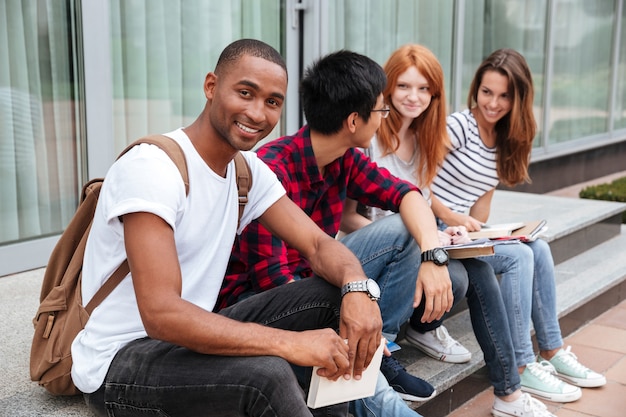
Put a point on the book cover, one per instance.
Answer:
(479, 247)
(496, 230)
(524, 231)
(528, 233)
(323, 391)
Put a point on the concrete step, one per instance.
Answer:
(587, 285)
(574, 225)
(590, 272)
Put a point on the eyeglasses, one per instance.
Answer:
(384, 111)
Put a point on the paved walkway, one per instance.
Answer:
(600, 345)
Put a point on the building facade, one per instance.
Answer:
(81, 79)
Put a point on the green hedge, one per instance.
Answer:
(614, 191)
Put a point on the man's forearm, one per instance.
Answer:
(334, 262)
(419, 220)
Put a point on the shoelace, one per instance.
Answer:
(444, 337)
(545, 372)
(538, 408)
(572, 360)
(392, 363)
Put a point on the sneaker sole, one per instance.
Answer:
(498, 413)
(436, 355)
(409, 397)
(583, 382)
(557, 398)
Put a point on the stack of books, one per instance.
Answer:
(484, 240)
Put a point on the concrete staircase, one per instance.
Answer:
(588, 243)
(589, 248)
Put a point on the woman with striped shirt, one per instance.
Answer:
(491, 143)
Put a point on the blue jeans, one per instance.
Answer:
(488, 314)
(390, 256)
(385, 402)
(489, 321)
(528, 287)
(156, 378)
(460, 284)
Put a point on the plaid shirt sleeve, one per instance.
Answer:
(372, 185)
(258, 262)
(253, 265)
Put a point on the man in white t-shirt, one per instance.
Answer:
(153, 345)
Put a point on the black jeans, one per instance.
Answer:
(154, 378)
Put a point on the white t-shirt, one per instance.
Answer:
(204, 224)
(398, 167)
(469, 169)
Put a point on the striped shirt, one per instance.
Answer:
(469, 169)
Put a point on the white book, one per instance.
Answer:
(323, 391)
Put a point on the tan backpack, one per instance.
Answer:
(61, 315)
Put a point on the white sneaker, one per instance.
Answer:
(538, 379)
(439, 344)
(524, 406)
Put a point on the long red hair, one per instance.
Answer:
(432, 140)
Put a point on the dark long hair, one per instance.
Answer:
(515, 132)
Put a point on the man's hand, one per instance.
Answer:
(433, 283)
(360, 324)
(323, 348)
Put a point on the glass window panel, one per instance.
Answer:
(162, 50)
(582, 69)
(620, 90)
(40, 118)
(516, 24)
(376, 28)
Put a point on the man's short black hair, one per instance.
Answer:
(337, 85)
(253, 47)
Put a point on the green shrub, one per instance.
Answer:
(614, 191)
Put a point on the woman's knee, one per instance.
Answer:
(541, 251)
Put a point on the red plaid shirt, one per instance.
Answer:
(259, 260)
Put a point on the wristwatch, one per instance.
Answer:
(369, 286)
(437, 255)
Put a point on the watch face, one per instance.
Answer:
(373, 288)
(440, 255)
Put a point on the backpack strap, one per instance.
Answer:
(171, 148)
(244, 182)
(176, 154)
(108, 287)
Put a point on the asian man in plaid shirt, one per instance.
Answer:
(320, 166)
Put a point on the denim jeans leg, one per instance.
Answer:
(305, 304)
(391, 257)
(384, 402)
(491, 326)
(460, 283)
(545, 319)
(514, 263)
(155, 378)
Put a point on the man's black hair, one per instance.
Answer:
(337, 85)
(253, 47)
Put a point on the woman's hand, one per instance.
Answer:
(457, 235)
